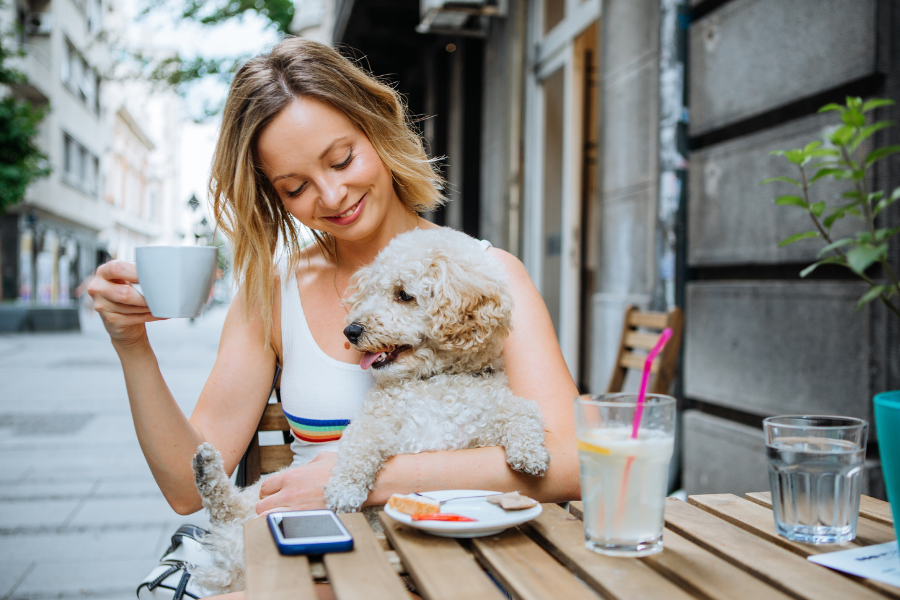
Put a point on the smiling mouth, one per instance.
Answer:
(348, 216)
(382, 358)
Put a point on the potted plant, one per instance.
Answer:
(843, 158)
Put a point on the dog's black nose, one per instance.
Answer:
(353, 331)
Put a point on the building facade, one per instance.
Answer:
(113, 147)
(50, 240)
(616, 147)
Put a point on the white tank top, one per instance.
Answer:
(319, 394)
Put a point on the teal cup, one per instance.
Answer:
(887, 423)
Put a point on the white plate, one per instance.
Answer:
(489, 518)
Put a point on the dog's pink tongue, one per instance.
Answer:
(368, 358)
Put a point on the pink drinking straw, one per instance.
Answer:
(645, 379)
(638, 412)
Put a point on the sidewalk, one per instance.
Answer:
(80, 514)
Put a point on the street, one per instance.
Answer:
(80, 513)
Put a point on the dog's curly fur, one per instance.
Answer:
(434, 309)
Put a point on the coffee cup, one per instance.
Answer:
(176, 280)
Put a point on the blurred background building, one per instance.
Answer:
(114, 150)
(616, 147)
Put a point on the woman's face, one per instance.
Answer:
(326, 171)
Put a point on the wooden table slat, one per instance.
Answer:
(869, 508)
(779, 567)
(364, 573)
(758, 521)
(271, 576)
(440, 567)
(701, 572)
(523, 568)
(562, 535)
(706, 575)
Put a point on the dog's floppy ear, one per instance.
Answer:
(468, 308)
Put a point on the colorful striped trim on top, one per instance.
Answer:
(316, 431)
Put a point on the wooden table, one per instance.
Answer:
(716, 547)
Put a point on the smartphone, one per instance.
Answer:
(309, 532)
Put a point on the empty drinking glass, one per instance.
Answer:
(815, 472)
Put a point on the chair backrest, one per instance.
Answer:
(262, 460)
(640, 332)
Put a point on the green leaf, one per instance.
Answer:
(831, 260)
(861, 258)
(883, 205)
(825, 173)
(881, 153)
(812, 146)
(797, 237)
(830, 107)
(853, 118)
(876, 103)
(795, 156)
(785, 180)
(852, 194)
(791, 201)
(872, 294)
(885, 234)
(895, 194)
(839, 212)
(867, 132)
(835, 245)
(817, 209)
(842, 135)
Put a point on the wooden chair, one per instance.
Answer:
(262, 460)
(641, 331)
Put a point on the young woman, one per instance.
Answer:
(307, 136)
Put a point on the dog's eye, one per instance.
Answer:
(402, 296)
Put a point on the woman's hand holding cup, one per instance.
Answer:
(123, 310)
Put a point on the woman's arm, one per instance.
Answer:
(536, 371)
(229, 406)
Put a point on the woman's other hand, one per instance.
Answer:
(300, 488)
(123, 310)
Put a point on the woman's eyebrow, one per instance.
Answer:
(321, 156)
(331, 146)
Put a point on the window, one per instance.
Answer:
(81, 80)
(81, 169)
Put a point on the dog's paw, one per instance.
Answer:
(342, 499)
(535, 462)
(205, 461)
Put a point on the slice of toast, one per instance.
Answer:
(411, 504)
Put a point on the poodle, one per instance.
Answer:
(429, 316)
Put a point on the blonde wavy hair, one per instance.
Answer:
(247, 207)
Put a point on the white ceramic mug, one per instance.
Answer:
(176, 280)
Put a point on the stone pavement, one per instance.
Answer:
(80, 514)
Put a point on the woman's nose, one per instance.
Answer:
(331, 194)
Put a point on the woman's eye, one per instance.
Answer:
(297, 191)
(346, 162)
(404, 297)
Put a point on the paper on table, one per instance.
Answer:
(880, 562)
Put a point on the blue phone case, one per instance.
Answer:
(295, 546)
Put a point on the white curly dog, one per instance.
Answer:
(430, 315)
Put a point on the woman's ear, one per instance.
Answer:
(467, 309)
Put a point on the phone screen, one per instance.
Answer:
(309, 526)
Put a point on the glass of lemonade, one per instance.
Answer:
(624, 479)
(815, 472)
